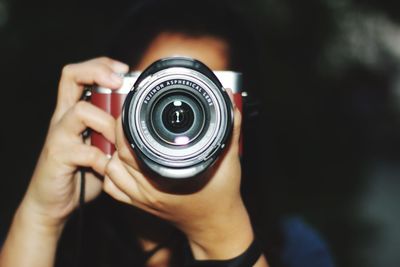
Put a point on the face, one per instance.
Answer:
(209, 49)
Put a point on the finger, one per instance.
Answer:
(117, 66)
(133, 183)
(148, 190)
(237, 125)
(115, 192)
(237, 122)
(87, 156)
(125, 152)
(234, 143)
(93, 186)
(101, 71)
(125, 181)
(110, 188)
(231, 97)
(84, 115)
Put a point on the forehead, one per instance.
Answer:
(211, 50)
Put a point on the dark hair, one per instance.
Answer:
(108, 225)
(222, 19)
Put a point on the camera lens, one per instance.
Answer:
(177, 118)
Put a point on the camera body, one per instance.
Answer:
(176, 115)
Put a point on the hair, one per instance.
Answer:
(109, 237)
(146, 19)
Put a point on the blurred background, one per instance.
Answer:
(333, 71)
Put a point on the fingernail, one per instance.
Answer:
(116, 79)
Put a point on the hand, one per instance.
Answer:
(213, 218)
(53, 192)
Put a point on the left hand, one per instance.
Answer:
(208, 216)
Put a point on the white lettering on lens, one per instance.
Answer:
(177, 116)
(153, 92)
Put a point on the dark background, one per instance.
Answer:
(333, 102)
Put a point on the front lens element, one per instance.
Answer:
(177, 118)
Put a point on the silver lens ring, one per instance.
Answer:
(178, 118)
(169, 79)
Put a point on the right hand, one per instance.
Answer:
(53, 192)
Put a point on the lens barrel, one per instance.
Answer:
(177, 117)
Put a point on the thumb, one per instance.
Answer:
(237, 125)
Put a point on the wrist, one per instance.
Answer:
(29, 215)
(31, 240)
(224, 237)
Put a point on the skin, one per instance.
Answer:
(53, 191)
(217, 227)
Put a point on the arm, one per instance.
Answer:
(31, 240)
(53, 191)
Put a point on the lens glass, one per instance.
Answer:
(177, 118)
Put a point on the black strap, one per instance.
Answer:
(246, 259)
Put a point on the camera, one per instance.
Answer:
(176, 115)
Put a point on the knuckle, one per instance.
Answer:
(80, 108)
(100, 72)
(124, 154)
(92, 155)
(104, 59)
(111, 167)
(51, 150)
(67, 69)
(154, 201)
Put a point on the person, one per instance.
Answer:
(217, 223)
